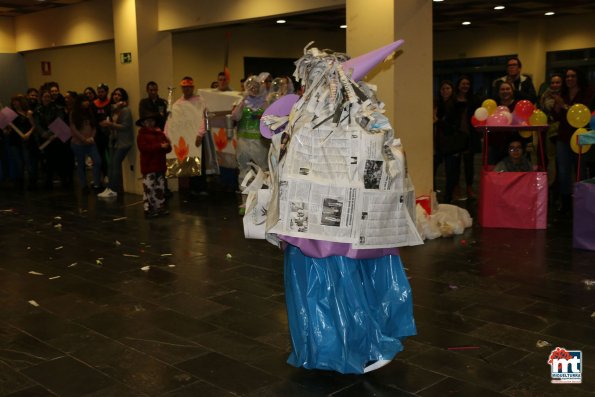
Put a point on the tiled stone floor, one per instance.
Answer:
(132, 307)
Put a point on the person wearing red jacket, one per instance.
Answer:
(153, 144)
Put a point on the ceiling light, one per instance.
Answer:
(550, 13)
(281, 21)
(343, 26)
(466, 23)
(438, 1)
(499, 8)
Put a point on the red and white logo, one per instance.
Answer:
(566, 365)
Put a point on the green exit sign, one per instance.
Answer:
(125, 57)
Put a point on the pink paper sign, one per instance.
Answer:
(7, 115)
(60, 129)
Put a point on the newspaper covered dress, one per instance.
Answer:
(338, 202)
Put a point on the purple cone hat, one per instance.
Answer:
(362, 64)
(281, 107)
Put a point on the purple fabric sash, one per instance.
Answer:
(323, 249)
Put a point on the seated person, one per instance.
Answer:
(516, 161)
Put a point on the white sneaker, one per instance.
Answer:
(374, 366)
(107, 193)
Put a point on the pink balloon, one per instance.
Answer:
(508, 116)
(502, 109)
(524, 109)
(497, 120)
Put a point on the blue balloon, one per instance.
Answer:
(592, 123)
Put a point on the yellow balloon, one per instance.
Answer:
(574, 142)
(538, 118)
(578, 115)
(526, 133)
(490, 105)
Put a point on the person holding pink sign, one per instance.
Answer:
(23, 152)
(56, 153)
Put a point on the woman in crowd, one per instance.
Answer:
(121, 139)
(497, 144)
(465, 105)
(90, 93)
(23, 143)
(574, 90)
(547, 101)
(83, 129)
(448, 145)
(102, 111)
(56, 152)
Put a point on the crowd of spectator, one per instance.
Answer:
(456, 141)
(102, 132)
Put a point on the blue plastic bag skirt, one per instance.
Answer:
(345, 313)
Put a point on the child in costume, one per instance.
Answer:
(251, 147)
(153, 144)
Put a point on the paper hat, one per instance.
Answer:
(363, 64)
(187, 82)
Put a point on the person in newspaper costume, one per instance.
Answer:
(339, 206)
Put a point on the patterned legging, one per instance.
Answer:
(153, 191)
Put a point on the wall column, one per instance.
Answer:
(532, 50)
(404, 84)
(151, 59)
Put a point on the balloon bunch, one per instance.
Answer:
(492, 115)
(578, 116)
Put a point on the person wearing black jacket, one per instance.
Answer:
(448, 141)
(523, 85)
(153, 104)
(464, 106)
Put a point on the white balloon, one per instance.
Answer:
(481, 114)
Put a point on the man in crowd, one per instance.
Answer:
(153, 104)
(523, 85)
(222, 83)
